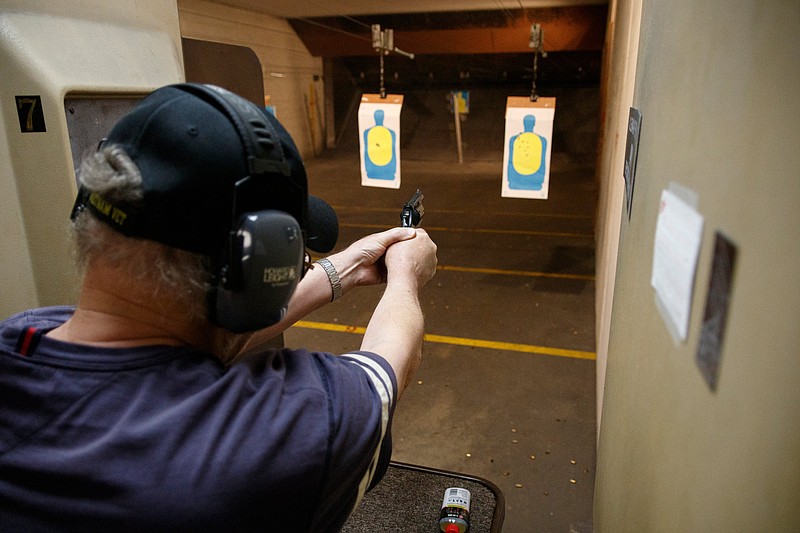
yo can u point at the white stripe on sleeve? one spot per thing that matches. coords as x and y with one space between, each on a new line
383 384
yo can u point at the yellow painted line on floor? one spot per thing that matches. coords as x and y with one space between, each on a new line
480 230
461 341
518 214
352 209
501 272
326 326
510 347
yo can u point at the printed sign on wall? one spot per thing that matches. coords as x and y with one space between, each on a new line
528 144
631 156
379 140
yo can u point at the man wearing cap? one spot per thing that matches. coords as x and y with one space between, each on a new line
152 404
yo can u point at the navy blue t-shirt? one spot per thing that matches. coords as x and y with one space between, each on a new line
165 438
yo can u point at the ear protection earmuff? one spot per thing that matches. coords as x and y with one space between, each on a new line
259 269
265 266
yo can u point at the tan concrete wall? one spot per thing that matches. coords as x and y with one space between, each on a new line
289 70
717 84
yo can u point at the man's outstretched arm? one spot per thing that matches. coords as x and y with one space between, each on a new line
396 328
357 265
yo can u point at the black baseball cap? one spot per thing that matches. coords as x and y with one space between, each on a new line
207 157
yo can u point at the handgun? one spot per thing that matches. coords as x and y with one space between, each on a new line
412 211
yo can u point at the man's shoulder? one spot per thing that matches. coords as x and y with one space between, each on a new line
347 386
353 365
303 361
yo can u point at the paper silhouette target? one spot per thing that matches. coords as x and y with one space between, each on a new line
379 140
526 157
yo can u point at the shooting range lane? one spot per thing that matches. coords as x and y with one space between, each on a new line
506 390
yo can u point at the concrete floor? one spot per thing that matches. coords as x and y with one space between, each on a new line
523 420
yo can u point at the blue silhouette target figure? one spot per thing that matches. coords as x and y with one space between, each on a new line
526 158
380 159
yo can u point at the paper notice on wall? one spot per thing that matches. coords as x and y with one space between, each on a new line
679 233
379 140
527 147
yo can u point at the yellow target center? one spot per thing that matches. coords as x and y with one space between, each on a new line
379 145
527 153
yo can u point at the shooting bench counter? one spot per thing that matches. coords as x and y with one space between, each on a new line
409 499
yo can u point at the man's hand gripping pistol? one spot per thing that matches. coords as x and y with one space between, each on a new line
412 211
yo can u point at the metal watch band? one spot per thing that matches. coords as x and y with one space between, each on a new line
333 277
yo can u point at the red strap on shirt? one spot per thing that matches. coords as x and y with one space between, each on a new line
28 339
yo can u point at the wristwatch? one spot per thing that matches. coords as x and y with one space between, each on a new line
333 277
